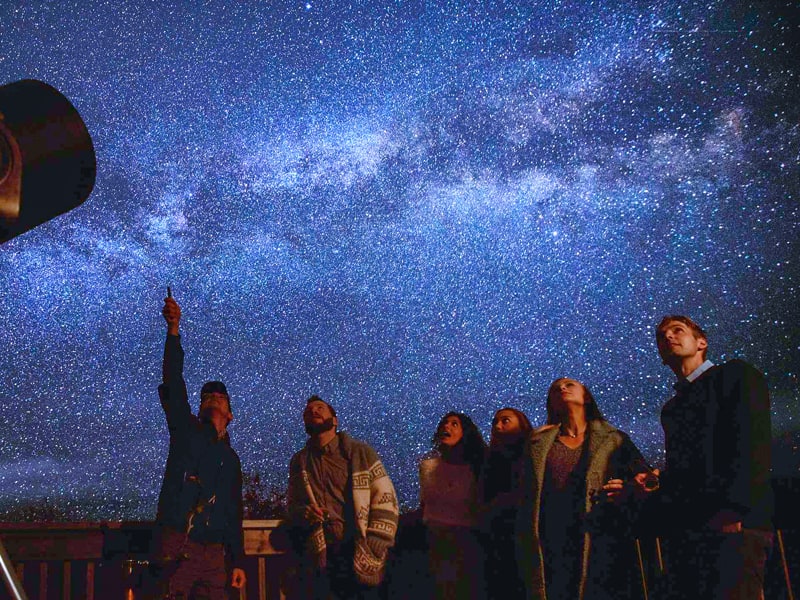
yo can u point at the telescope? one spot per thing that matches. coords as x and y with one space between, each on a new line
47 167
47 160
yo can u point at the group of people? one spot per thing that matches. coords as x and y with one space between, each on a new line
541 513
547 512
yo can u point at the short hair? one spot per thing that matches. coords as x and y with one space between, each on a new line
215 387
554 417
524 422
698 332
472 440
316 398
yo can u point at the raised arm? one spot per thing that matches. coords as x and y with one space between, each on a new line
172 391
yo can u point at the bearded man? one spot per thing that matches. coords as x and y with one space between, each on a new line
344 509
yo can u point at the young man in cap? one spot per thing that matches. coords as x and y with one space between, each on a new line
344 509
715 490
200 505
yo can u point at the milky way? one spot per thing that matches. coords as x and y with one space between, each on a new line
404 207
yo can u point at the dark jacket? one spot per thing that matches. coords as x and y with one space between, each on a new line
611 454
202 484
717 435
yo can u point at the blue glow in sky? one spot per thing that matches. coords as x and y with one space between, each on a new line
404 207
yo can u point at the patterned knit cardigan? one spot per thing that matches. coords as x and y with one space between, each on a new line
374 504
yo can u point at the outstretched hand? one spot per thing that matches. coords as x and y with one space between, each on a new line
643 484
646 483
172 315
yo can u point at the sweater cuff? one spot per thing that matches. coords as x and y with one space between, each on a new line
379 546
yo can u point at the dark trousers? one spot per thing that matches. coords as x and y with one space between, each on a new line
503 580
456 562
337 581
716 566
194 571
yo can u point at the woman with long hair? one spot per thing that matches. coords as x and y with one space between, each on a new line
448 480
578 537
502 491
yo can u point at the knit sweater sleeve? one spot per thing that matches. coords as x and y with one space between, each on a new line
377 513
384 512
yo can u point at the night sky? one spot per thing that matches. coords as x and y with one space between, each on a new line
404 207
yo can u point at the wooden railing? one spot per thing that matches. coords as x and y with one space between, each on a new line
108 561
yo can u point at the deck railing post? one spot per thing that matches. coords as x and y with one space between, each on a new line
43 580
66 587
90 580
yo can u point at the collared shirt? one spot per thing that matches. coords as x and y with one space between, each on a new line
681 383
328 472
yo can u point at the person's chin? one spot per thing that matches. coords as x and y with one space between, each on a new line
506 438
317 427
210 413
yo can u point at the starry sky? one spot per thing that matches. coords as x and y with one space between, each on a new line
405 207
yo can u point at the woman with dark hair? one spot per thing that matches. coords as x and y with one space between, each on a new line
448 480
577 543
502 491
